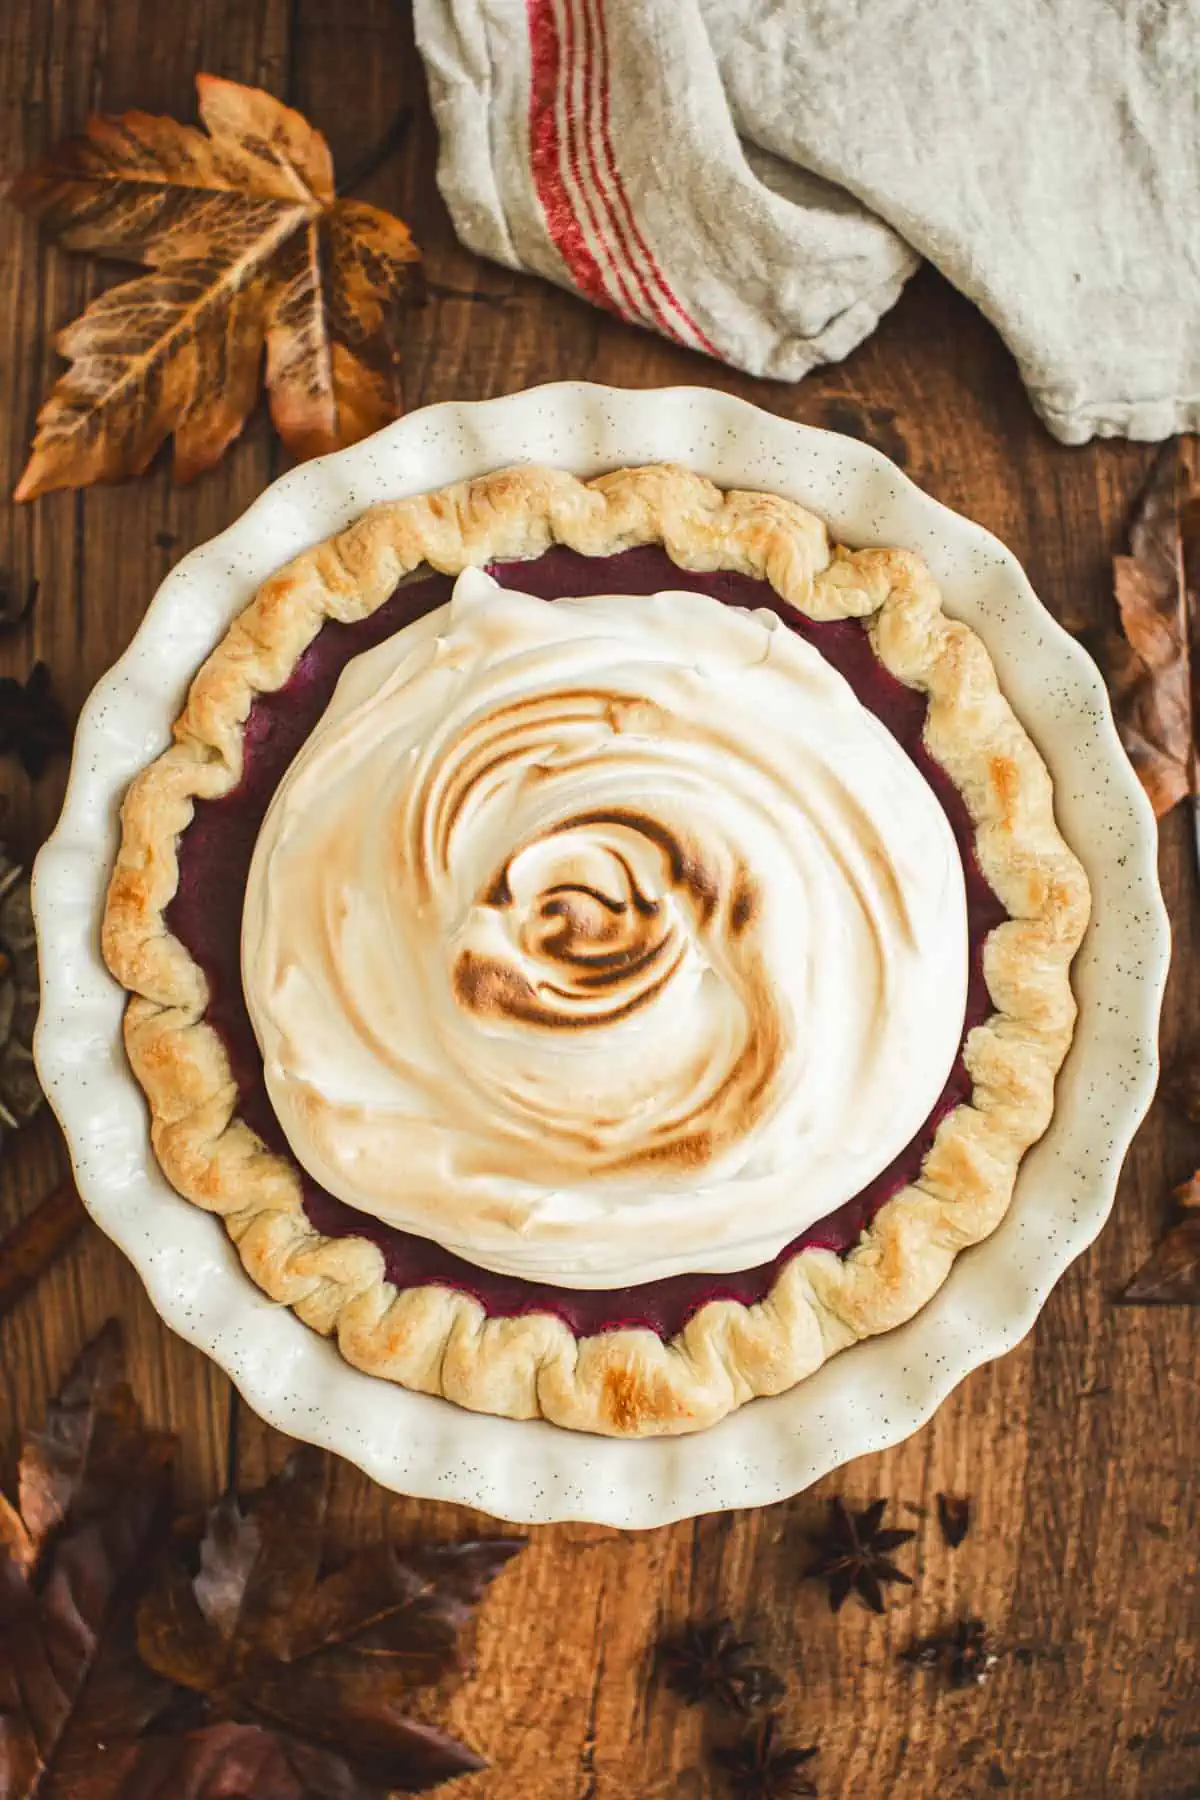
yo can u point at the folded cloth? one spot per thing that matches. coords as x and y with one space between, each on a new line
758 178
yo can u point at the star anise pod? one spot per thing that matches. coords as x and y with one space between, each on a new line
852 1555
964 1654
710 1662
758 1769
33 725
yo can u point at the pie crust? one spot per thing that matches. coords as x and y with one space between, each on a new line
625 1382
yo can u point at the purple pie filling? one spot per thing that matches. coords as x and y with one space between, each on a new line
214 860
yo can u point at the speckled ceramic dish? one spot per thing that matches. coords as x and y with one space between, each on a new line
874 1393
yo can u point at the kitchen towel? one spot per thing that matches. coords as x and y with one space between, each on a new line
758 178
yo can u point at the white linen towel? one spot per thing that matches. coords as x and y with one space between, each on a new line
758 178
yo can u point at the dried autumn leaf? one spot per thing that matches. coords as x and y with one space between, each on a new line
329 1659
249 249
1171 1277
92 1492
1149 670
254 1674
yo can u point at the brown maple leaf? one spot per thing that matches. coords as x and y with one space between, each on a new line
250 249
246 1669
1149 669
329 1659
92 1492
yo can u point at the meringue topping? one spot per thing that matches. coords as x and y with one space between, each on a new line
601 940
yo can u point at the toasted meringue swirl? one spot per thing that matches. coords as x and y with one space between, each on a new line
604 939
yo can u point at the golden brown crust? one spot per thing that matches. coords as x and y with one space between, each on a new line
436 1340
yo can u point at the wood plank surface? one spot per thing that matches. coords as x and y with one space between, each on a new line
1078 1449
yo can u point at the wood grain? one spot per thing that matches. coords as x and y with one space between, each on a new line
1078 1449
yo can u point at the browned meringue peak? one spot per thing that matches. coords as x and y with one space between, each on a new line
604 939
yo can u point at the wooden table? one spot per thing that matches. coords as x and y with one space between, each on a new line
1078 1449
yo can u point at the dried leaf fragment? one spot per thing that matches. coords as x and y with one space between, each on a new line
322 1659
255 1673
1149 669
92 1494
954 1517
250 252
20 1090
1171 1277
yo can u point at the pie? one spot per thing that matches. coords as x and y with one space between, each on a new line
601 948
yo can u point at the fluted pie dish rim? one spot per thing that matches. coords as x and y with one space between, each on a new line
623 1383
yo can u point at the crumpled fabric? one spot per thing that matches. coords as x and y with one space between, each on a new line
757 179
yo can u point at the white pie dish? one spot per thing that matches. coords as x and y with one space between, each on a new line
773 1448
